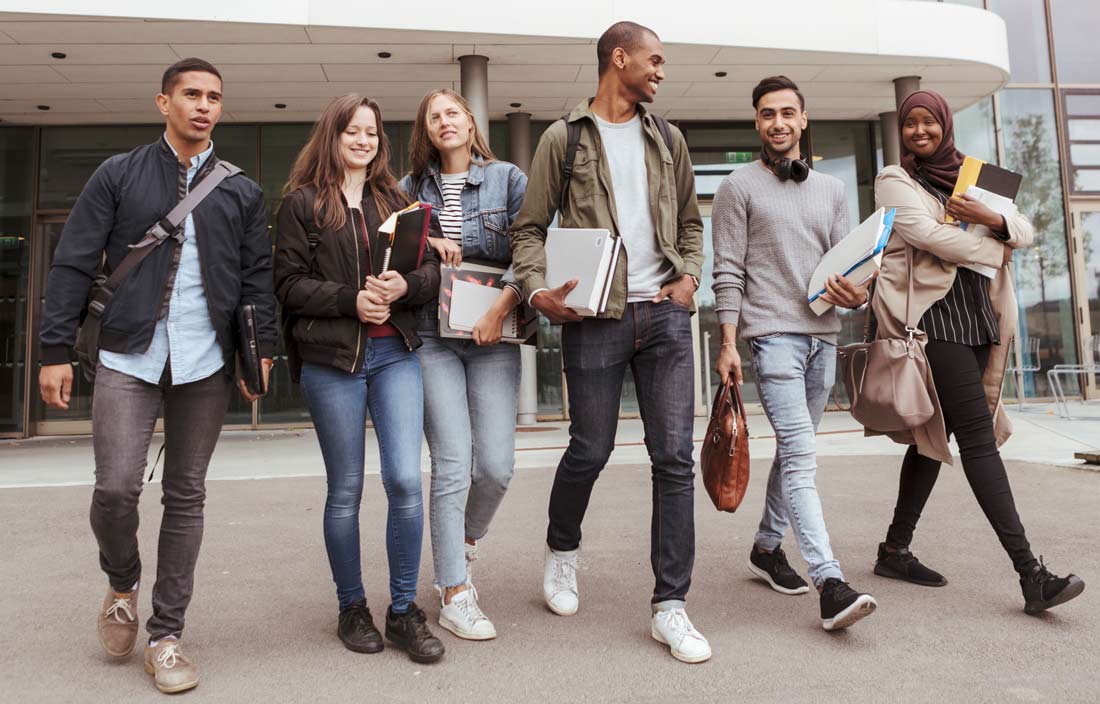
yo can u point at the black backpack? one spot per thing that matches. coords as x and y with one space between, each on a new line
573 140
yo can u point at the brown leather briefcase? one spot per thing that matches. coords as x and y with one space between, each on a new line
725 453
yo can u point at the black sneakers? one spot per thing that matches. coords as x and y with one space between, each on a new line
773 568
1043 590
409 631
356 629
842 606
904 565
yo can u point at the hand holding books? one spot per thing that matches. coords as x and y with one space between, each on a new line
551 303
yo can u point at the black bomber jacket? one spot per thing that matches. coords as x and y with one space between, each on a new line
318 275
125 196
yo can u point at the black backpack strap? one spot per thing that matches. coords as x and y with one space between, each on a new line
163 230
573 140
665 129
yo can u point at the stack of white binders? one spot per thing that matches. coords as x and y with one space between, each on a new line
590 256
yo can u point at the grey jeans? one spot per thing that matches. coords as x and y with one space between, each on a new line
470 397
124 413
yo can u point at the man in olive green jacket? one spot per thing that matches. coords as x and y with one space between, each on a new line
628 180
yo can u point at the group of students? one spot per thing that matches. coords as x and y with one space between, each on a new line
364 340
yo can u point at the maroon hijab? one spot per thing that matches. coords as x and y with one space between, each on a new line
942 168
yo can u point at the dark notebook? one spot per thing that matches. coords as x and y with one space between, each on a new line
405 248
249 366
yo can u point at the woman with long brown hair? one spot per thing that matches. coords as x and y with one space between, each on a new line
966 322
472 384
351 338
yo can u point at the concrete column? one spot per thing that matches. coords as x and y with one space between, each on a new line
891 143
519 153
519 139
474 71
903 87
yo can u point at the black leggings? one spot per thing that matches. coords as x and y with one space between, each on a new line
957 372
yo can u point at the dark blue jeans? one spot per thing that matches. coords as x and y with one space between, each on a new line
654 341
390 383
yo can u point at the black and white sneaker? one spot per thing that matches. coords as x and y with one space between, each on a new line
842 606
773 568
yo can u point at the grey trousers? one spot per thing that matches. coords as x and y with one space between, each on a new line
124 413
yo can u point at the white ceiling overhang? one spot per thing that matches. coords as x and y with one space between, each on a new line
843 54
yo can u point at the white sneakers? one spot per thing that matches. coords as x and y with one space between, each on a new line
464 618
559 581
672 627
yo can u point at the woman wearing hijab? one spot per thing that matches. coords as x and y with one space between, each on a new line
966 324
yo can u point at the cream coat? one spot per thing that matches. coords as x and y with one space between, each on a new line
938 250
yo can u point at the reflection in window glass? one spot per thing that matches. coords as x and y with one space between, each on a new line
1085 154
1028 52
1084 130
1075 23
1042 272
71 154
843 149
974 131
16 177
1086 180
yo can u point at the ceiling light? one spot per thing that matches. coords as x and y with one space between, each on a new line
280 106
516 105
720 74
59 55
384 54
43 107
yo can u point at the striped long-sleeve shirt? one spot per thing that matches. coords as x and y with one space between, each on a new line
965 315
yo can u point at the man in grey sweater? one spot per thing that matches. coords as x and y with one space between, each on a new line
772 222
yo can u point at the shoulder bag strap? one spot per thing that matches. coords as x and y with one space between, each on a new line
166 228
910 328
573 140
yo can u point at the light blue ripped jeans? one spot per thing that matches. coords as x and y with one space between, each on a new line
795 374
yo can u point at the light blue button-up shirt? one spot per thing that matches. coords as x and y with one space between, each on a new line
185 335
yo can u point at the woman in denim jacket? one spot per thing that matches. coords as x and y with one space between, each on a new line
470 386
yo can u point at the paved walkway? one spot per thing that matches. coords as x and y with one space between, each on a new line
262 623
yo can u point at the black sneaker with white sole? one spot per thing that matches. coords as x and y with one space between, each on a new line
773 568
1043 589
842 606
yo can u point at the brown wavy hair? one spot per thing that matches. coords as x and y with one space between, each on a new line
422 153
320 165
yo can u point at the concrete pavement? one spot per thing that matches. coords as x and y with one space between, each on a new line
262 623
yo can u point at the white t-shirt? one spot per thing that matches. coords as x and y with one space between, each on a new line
647 266
450 218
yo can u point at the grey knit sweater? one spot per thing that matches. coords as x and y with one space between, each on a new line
769 236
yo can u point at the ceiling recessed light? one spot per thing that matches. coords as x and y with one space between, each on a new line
384 54
516 105
59 55
43 107
720 74
280 106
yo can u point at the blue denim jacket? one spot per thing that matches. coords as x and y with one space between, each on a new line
491 199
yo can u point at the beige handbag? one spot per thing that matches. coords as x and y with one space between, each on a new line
888 380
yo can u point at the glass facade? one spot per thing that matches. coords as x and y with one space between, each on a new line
1053 94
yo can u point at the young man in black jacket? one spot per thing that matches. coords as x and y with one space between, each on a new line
167 340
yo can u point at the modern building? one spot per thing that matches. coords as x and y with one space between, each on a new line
77 80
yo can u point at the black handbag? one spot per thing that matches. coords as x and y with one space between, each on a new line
104 286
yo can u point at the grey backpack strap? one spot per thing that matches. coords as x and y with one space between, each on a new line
166 228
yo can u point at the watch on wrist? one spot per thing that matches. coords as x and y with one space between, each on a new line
695 281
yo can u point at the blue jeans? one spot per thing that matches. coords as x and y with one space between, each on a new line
390 382
795 374
470 421
654 341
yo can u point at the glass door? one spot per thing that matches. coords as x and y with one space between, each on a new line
1086 245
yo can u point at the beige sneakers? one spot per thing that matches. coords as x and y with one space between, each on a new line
172 670
117 625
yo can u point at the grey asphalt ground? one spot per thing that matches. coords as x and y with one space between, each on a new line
262 623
